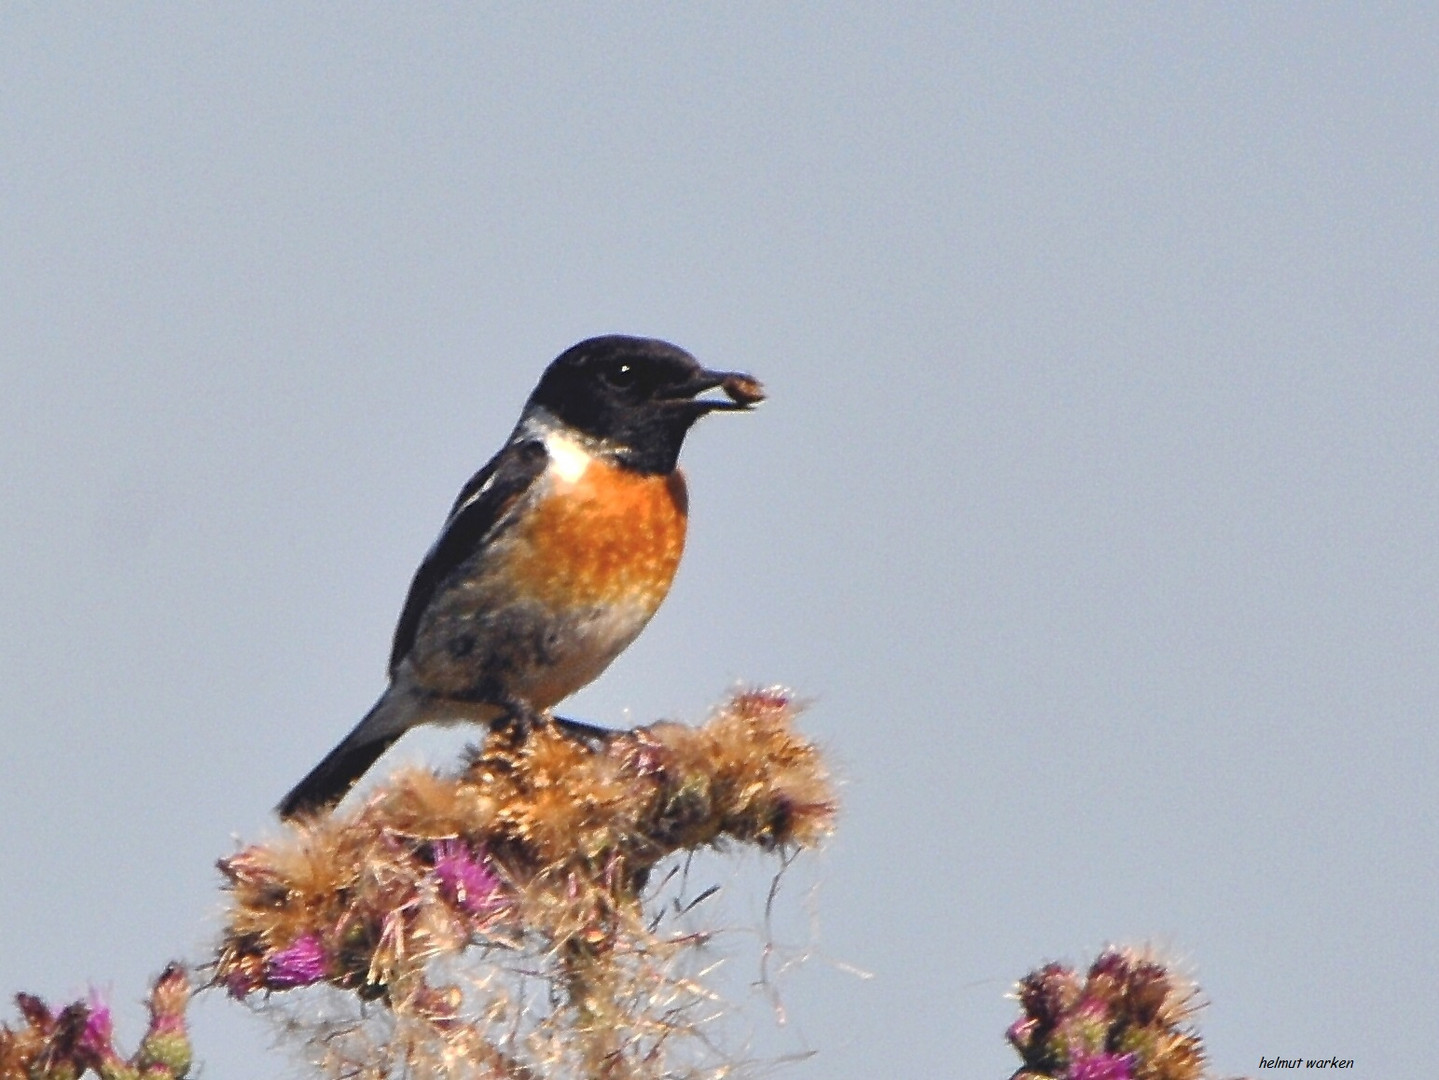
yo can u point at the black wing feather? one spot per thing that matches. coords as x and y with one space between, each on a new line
479 508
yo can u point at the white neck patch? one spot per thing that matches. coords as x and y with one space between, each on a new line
568 458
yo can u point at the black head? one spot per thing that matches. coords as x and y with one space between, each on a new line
638 395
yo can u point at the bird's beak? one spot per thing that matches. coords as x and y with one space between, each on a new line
741 391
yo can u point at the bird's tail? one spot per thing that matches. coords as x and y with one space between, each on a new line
329 781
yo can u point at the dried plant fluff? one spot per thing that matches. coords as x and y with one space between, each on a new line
496 921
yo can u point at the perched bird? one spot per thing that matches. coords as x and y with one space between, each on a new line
554 556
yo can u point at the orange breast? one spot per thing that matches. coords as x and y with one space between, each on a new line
610 536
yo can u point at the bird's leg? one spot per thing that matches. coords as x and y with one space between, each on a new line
518 719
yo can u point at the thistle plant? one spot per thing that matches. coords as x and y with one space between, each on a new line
62 1044
1129 1018
496 921
513 922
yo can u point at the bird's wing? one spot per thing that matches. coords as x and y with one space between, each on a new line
481 506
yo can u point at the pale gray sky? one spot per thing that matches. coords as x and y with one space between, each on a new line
1096 504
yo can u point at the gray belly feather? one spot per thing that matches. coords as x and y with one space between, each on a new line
478 644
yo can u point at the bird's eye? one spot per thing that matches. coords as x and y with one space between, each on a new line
621 375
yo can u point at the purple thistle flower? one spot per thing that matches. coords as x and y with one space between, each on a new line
95 1048
1101 1067
466 879
301 963
99 1028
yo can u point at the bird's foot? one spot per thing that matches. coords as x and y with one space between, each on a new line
517 721
590 734
520 718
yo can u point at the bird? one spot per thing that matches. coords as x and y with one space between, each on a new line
554 557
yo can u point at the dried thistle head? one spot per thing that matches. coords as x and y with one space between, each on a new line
49 1044
527 869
